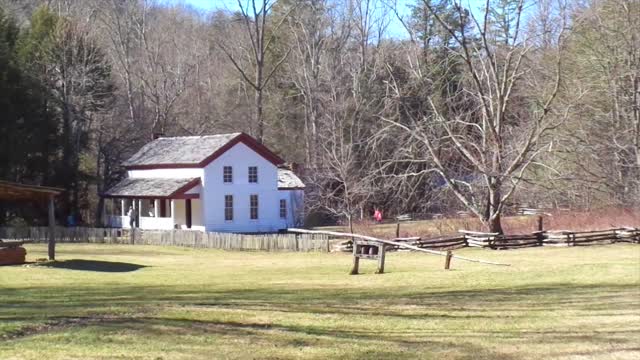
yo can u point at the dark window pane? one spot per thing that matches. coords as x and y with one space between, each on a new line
283 209
253 174
253 207
228 207
227 174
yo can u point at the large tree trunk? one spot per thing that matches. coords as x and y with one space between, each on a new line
495 224
259 116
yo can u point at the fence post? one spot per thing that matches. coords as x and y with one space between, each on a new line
447 260
356 259
540 223
398 229
381 256
52 228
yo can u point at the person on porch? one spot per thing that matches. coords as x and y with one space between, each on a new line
132 217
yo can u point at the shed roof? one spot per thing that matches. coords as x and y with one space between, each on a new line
193 151
15 191
151 188
288 180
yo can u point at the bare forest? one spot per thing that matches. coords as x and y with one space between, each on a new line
433 107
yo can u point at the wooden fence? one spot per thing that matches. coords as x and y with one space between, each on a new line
313 242
185 238
552 238
503 242
441 243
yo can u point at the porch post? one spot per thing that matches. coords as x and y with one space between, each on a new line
134 213
156 207
139 213
52 228
173 212
123 207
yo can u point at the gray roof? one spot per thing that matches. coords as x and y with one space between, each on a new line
288 180
147 187
179 150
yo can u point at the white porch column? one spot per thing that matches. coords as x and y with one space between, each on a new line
156 207
123 207
172 205
136 212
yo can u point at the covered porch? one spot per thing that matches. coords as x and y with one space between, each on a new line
159 204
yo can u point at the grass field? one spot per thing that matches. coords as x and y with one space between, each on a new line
141 302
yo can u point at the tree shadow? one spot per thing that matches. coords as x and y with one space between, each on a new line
93 265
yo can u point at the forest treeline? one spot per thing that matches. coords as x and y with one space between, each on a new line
514 102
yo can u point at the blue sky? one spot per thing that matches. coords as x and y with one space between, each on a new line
395 28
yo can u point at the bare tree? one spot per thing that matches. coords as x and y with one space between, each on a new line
605 127
485 121
261 34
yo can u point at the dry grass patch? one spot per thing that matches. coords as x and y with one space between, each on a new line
563 303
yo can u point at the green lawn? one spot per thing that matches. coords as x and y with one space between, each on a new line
142 302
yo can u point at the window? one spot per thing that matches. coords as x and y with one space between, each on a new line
283 208
253 174
227 174
253 207
228 207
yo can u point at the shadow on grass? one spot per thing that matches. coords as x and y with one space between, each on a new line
93 265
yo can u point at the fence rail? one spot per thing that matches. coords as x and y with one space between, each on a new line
184 238
312 242
503 242
553 238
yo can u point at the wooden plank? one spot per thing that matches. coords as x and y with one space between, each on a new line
396 244
477 233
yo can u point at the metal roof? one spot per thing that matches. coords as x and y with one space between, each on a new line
16 191
185 150
151 187
288 180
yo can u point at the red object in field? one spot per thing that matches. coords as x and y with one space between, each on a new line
12 255
377 215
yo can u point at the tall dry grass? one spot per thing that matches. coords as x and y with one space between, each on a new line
599 219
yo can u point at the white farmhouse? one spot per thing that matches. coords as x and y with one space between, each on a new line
222 183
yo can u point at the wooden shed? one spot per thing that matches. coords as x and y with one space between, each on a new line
16 192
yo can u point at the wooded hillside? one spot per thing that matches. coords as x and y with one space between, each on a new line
532 103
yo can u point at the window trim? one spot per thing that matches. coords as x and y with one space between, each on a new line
230 198
252 207
249 175
224 179
283 208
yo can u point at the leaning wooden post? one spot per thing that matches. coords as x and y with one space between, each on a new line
398 229
356 259
52 229
381 254
447 260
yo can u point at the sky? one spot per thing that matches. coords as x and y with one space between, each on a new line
395 28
